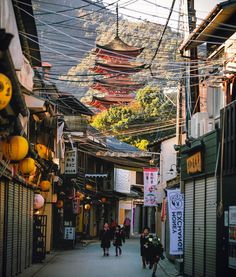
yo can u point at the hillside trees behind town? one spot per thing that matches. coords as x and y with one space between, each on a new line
149 117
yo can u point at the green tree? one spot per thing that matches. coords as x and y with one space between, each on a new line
136 123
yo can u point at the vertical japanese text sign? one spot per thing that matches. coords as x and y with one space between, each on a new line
151 181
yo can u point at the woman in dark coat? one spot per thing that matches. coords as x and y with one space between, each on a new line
105 237
144 246
119 237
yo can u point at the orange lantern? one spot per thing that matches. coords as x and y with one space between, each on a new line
27 166
5 91
87 206
16 148
81 196
45 185
42 150
89 187
60 204
103 199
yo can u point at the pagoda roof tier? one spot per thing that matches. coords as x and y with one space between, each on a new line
119 82
117 47
113 68
116 86
104 103
111 90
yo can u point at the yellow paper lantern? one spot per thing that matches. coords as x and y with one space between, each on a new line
45 185
5 91
16 148
89 187
87 206
42 150
59 204
27 166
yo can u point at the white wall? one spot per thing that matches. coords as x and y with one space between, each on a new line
168 157
124 179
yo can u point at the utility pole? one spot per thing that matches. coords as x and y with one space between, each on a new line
194 85
191 82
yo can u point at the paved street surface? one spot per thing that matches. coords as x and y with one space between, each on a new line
89 261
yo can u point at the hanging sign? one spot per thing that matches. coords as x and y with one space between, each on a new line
71 162
75 206
176 220
151 182
194 163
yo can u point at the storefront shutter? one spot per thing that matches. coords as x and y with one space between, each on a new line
20 205
188 228
211 189
199 225
24 229
9 228
2 209
31 222
15 229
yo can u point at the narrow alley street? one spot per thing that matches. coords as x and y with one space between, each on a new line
89 261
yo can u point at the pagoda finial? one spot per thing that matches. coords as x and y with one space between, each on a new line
117 21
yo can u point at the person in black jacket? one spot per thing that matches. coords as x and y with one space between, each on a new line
105 237
119 237
144 245
154 253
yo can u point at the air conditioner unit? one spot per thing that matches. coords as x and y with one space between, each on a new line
196 123
206 125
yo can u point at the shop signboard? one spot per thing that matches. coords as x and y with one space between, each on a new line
194 163
151 182
232 237
176 220
71 162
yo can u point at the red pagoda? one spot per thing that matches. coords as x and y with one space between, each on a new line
115 63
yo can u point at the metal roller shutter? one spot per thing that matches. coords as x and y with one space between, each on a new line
24 229
31 222
199 227
188 228
9 231
20 267
211 198
29 227
2 209
15 230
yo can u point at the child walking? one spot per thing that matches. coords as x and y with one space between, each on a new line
119 237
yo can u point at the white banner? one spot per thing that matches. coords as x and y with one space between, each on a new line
151 181
176 220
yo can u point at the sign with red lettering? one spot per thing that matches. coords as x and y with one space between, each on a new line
151 181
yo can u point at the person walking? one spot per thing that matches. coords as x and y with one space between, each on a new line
127 223
144 245
118 239
154 253
105 237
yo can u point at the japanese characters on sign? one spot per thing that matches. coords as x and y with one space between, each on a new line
151 182
71 162
194 163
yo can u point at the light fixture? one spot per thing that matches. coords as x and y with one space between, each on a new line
172 170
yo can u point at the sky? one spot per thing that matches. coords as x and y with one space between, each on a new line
202 7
